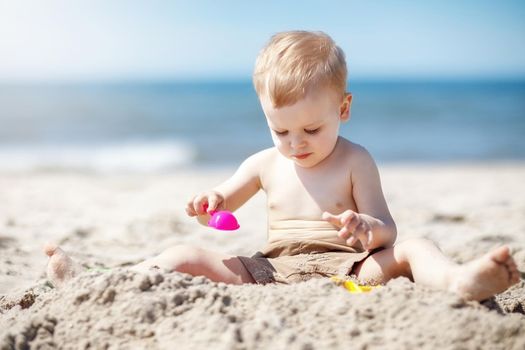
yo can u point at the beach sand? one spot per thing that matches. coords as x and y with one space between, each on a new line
114 221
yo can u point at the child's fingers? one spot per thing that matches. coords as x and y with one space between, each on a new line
356 232
360 233
189 207
347 217
344 233
199 204
353 224
351 241
331 218
190 211
213 202
359 230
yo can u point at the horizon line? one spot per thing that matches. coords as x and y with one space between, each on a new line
239 80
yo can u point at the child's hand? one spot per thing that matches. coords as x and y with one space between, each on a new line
204 203
352 227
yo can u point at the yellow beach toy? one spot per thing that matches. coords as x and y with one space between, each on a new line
351 286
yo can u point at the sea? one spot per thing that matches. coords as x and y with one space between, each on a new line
164 126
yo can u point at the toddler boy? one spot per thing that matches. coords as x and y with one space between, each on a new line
326 211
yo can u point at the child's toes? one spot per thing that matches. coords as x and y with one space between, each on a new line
515 276
500 255
510 260
512 267
50 249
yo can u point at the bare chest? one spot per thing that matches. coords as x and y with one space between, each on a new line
305 195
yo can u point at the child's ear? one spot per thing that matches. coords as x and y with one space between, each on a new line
344 113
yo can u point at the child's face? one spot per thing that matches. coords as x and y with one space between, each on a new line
307 131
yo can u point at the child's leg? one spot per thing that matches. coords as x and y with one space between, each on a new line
217 267
198 262
423 262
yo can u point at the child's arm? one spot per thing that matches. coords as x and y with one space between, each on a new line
372 224
229 195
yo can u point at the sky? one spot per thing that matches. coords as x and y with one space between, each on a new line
104 40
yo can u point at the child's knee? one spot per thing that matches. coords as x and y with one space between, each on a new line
416 244
181 256
178 250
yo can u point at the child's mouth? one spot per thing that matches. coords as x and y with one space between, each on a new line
302 156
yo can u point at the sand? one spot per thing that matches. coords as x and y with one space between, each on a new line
113 221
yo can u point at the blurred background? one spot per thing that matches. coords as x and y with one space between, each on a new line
150 86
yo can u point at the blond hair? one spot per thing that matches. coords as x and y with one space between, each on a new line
296 61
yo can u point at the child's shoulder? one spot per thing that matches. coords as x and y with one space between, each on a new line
261 159
358 159
354 152
263 156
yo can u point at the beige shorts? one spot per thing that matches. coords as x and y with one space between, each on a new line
296 261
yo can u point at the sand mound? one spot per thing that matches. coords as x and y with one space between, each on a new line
122 309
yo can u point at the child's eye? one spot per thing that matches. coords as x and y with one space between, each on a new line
311 132
281 133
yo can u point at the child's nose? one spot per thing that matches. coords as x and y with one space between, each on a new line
297 141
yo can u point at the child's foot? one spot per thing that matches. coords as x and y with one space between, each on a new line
60 267
484 277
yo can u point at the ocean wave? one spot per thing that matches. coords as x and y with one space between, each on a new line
139 157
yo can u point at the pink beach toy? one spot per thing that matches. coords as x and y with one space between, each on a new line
223 220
